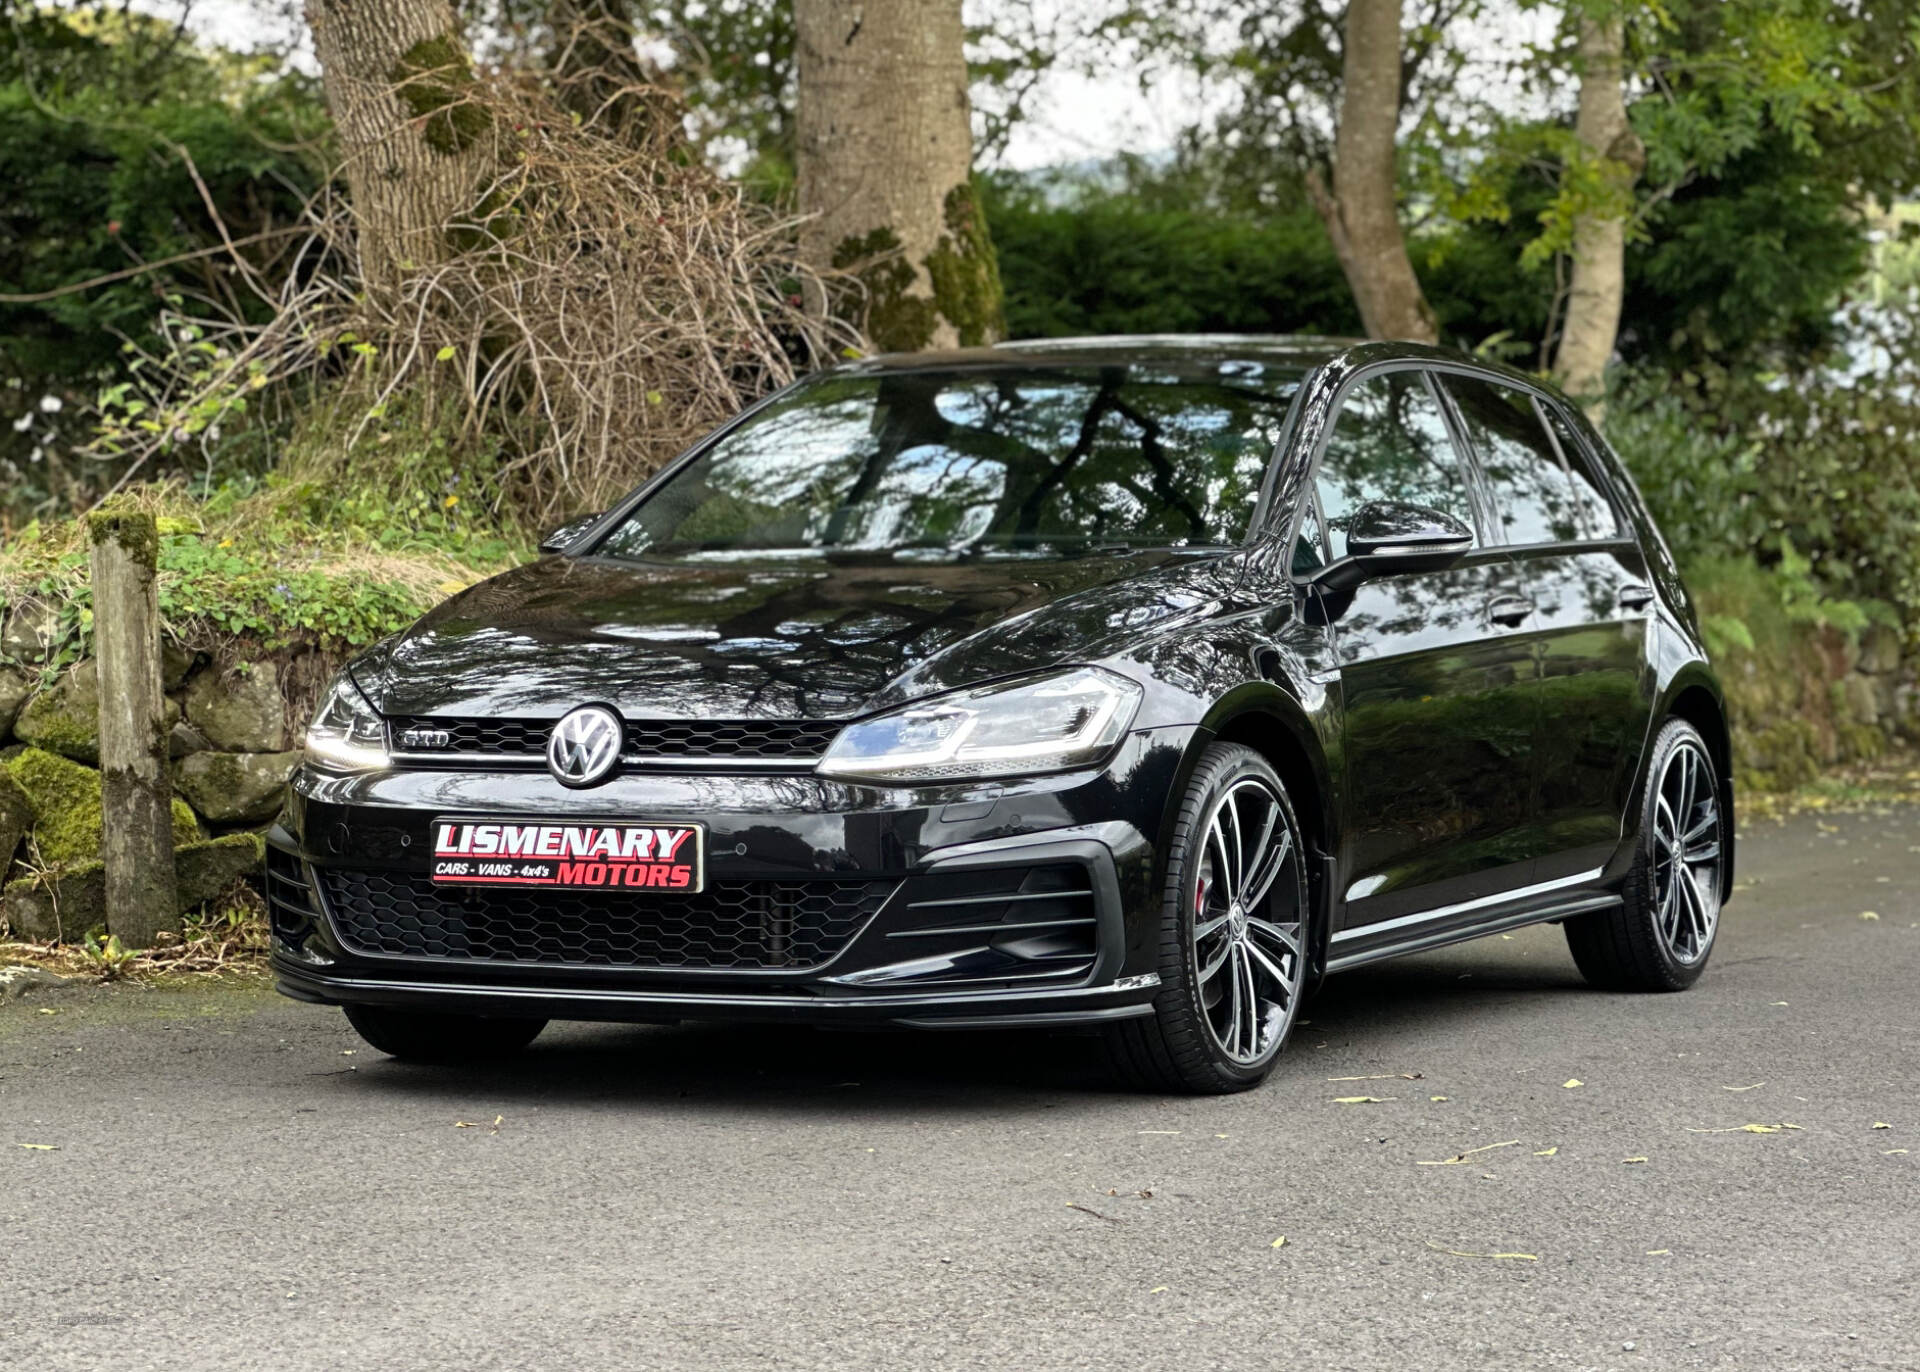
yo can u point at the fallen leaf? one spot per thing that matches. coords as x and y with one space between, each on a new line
1870 914
1895 1152
1156 1131
1776 1002
1462 1157
1572 1082
1436 1099
1156 1290
49 1012
1548 1152
1745 1129
1755 1087
1363 1100
465 1124
42 1147
1658 1252
1633 1160
1280 1242
1463 1253
1075 1205
1880 1124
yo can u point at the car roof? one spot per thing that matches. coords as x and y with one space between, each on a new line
1295 350
1180 352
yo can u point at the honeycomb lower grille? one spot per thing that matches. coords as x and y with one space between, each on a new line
752 925
785 740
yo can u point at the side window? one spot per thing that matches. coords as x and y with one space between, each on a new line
1389 442
1532 494
1597 516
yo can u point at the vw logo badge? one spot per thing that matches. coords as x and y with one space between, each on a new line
584 746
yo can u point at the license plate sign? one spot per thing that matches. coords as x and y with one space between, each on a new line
592 855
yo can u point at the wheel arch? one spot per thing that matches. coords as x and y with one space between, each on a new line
1696 698
1277 727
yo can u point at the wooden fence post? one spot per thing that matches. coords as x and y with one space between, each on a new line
137 844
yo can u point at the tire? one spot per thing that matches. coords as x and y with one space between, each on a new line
423 1036
1209 1036
1662 933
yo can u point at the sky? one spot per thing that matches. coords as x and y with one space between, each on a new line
1071 116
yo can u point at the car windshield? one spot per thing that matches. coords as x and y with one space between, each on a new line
1013 461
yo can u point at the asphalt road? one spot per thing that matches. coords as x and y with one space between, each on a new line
234 1182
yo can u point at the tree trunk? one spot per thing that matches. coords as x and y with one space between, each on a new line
884 153
1598 283
415 137
1361 215
136 846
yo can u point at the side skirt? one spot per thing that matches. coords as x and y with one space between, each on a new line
1422 941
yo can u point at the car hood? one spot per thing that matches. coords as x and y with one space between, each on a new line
766 640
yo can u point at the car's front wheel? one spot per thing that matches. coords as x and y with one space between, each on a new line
1232 936
1661 934
423 1036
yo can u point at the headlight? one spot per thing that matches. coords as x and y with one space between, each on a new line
1047 724
346 735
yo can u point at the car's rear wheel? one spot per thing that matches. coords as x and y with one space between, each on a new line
423 1036
1660 937
1232 938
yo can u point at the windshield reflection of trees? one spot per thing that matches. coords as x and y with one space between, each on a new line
966 462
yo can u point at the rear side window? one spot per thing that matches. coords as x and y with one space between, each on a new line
1533 496
1597 517
1389 442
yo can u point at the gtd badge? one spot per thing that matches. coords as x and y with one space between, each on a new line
585 745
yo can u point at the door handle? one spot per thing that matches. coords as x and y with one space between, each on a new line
1635 595
1509 609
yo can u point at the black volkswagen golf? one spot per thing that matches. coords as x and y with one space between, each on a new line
1125 684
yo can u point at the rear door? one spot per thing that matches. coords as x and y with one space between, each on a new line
1437 676
1592 605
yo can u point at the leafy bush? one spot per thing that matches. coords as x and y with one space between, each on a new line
1810 470
1105 263
104 127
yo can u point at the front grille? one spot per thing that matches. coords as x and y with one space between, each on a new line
784 740
743 925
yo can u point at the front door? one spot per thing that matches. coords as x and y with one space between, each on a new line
1437 675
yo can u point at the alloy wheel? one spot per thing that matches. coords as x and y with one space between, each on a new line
1686 853
1247 922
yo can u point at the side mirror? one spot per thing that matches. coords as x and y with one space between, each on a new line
563 537
1389 536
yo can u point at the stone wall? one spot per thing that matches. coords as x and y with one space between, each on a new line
1817 698
231 751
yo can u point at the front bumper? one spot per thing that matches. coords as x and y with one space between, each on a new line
1027 903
